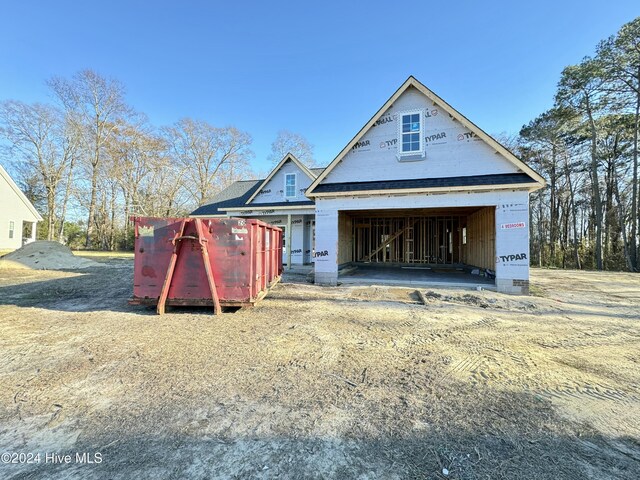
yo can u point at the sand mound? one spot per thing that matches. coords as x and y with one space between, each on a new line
45 255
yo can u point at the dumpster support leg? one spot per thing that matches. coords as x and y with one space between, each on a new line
172 265
207 267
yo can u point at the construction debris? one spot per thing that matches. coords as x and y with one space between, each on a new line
423 299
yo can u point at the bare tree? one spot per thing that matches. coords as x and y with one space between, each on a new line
211 156
290 142
42 141
98 103
137 150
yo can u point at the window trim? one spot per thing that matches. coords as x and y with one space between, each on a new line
415 153
295 185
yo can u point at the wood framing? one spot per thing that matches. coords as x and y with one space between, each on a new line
480 247
409 237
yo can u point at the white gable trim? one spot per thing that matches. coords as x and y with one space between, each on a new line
412 82
287 157
19 194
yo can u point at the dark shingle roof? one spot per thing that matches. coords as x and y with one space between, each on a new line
473 180
235 195
281 204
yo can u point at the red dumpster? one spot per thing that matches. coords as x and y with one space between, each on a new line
217 262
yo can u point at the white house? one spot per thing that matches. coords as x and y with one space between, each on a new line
18 217
419 186
279 200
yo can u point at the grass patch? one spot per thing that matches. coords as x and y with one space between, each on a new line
103 256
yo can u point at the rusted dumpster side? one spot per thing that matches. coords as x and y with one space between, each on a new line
217 262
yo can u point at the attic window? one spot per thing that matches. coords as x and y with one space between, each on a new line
290 185
411 133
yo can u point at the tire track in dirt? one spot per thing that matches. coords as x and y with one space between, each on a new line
597 391
586 340
439 334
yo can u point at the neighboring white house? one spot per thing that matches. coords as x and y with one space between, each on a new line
419 187
17 214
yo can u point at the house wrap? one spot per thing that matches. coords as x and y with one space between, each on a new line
419 184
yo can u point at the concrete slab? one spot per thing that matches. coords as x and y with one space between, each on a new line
297 273
415 276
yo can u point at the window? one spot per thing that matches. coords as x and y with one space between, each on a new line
411 131
12 227
290 185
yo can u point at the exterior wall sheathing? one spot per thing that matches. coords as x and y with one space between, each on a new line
510 219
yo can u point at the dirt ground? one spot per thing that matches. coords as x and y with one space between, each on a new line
358 382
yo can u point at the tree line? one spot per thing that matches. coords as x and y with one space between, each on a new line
89 161
89 155
586 146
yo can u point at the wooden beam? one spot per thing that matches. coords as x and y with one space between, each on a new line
388 241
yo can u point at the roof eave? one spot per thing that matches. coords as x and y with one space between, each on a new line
274 207
20 194
531 186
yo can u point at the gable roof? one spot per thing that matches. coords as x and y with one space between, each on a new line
288 157
19 194
235 195
536 179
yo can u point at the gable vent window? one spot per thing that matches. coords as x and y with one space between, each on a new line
12 227
290 185
411 133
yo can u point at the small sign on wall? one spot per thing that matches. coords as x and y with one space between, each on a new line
508 226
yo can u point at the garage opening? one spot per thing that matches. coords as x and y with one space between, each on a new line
440 240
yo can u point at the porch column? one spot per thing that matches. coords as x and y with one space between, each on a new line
33 231
512 245
289 246
326 250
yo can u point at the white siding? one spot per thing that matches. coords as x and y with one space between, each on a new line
273 191
451 149
12 209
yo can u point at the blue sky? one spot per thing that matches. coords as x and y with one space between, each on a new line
320 69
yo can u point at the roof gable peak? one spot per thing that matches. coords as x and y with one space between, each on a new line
412 82
289 157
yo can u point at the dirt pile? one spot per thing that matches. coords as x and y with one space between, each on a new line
486 300
45 255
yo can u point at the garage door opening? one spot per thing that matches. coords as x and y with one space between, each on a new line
440 244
